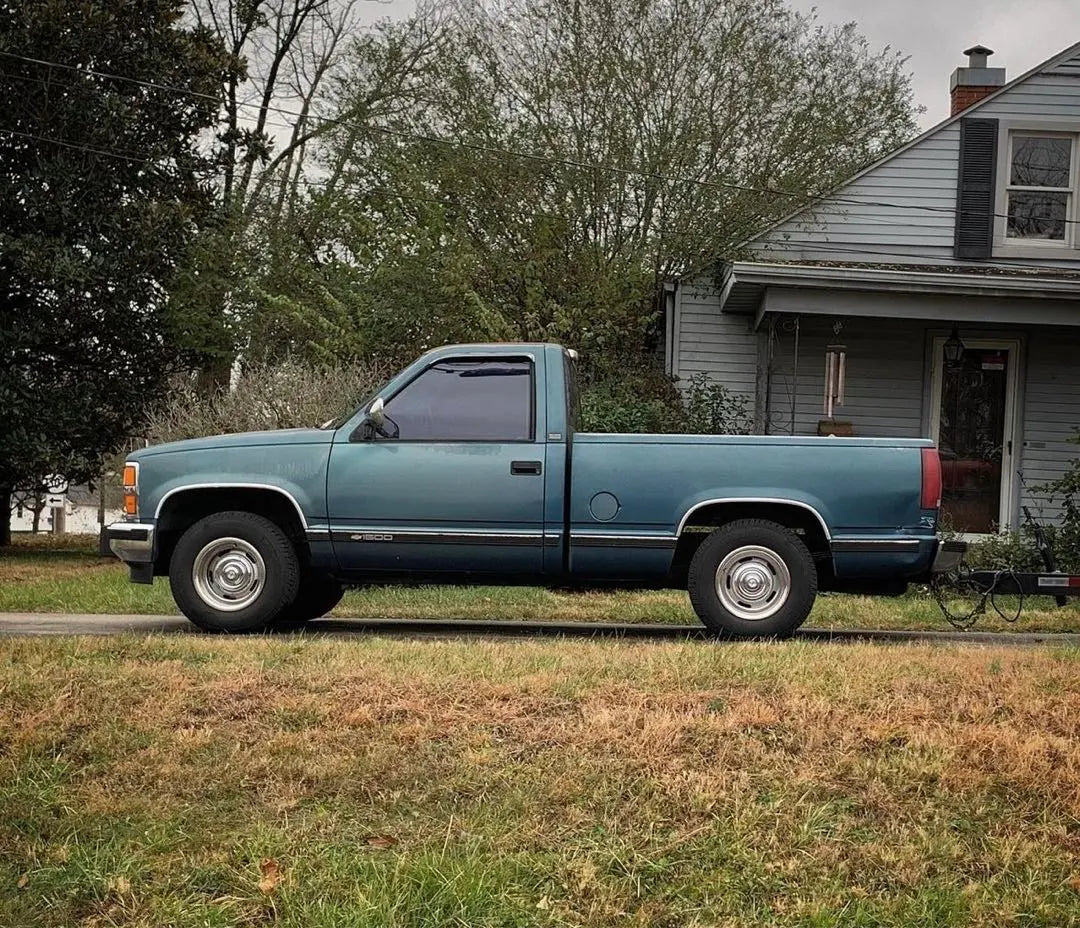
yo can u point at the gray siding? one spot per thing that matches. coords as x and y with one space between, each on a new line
709 341
1051 410
887 391
885 370
902 210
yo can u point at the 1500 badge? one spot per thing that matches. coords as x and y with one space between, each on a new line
370 536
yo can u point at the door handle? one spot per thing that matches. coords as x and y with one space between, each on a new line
520 468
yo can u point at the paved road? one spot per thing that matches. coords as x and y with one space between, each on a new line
31 623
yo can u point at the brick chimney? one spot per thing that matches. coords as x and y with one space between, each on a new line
969 85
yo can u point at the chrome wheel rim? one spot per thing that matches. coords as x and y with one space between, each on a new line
753 582
228 574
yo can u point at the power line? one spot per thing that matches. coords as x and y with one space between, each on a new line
472 146
106 153
223 118
807 200
496 151
829 248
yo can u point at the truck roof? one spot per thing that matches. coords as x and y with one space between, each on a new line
495 346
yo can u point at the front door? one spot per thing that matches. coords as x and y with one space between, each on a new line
456 483
973 421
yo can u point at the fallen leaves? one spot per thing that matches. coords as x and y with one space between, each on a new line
382 842
23 881
271 875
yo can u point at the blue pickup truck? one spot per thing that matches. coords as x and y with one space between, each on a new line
468 468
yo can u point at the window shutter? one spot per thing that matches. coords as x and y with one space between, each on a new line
975 188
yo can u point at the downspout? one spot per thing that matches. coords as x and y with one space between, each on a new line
795 377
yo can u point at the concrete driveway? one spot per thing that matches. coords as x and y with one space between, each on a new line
14 624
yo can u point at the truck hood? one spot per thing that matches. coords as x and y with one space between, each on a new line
277 437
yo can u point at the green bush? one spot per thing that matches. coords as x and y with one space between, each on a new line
1018 550
1065 491
1009 551
643 399
712 409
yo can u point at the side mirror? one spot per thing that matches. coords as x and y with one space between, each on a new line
375 424
375 414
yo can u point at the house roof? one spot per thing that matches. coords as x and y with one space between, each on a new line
1050 62
746 281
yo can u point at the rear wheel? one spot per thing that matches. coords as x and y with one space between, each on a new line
752 578
234 572
318 594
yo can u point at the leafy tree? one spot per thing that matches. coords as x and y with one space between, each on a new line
252 274
101 188
567 157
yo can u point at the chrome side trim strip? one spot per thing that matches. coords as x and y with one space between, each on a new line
875 545
595 540
233 486
412 536
753 499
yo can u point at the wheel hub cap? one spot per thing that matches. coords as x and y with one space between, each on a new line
753 582
229 574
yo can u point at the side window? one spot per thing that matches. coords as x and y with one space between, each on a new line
466 401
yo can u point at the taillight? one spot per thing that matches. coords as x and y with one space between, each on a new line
931 479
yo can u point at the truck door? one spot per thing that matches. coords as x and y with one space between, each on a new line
456 483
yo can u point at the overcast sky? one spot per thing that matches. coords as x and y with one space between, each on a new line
933 33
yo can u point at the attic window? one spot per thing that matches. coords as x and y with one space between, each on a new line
1039 194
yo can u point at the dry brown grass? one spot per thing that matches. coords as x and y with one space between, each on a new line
638 781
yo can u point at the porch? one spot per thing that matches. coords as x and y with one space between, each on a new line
1001 407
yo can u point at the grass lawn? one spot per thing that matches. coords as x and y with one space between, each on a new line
312 783
35 576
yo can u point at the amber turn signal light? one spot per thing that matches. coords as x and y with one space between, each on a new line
131 504
130 476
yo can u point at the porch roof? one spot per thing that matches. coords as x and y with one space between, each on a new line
995 294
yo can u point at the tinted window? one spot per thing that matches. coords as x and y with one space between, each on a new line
466 401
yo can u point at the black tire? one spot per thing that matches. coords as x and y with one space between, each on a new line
245 540
318 594
771 560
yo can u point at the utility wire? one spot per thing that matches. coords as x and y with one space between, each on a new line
490 149
806 201
828 248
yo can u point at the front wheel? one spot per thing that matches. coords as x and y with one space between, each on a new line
752 579
234 572
318 594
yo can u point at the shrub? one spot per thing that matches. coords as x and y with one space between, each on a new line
713 409
1065 491
644 399
1009 551
287 395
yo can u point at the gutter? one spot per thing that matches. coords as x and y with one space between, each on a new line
815 277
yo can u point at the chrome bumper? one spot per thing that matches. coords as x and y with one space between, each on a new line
132 542
949 556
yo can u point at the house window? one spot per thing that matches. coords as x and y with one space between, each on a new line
1040 190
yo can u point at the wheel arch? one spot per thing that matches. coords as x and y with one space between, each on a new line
800 517
183 506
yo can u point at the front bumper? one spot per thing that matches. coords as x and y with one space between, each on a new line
133 543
